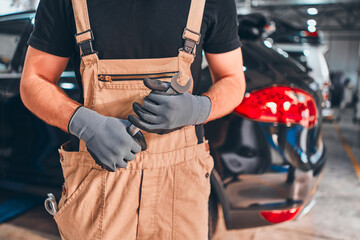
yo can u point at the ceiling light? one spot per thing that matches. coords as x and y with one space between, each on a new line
312 28
268 44
311 22
312 11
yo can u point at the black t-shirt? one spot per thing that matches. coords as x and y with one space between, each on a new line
133 29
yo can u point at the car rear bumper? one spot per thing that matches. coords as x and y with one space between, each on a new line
244 198
291 161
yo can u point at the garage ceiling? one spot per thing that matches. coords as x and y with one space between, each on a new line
333 16
297 2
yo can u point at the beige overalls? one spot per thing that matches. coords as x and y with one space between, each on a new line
163 193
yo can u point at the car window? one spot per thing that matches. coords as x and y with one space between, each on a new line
10 35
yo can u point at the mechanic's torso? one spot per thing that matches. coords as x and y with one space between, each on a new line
135 29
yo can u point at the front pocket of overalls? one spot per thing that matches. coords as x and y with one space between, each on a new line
76 166
193 177
81 215
199 170
191 194
110 78
72 196
116 94
83 196
115 99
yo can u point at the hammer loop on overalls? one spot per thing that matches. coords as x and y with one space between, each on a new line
163 193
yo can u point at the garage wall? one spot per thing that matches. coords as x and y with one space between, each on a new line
344 53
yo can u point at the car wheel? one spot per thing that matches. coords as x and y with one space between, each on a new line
213 214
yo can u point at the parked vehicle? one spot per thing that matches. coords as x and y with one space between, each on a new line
285 32
268 153
307 48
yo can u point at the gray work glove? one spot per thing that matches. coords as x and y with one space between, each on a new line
163 113
106 138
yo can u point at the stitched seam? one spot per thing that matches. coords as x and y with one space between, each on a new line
174 203
76 193
140 200
100 232
94 88
122 85
155 211
189 148
81 164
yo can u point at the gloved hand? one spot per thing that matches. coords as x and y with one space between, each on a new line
106 138
162 113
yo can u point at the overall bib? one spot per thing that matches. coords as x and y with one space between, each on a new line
163 193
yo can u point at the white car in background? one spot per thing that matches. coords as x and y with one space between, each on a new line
305 47
312 58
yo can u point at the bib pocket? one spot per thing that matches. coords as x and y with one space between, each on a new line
116 93
134 77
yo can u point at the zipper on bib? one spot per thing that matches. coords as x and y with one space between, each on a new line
105 78
134 77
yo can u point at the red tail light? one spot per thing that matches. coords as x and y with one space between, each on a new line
279 216
326 96
281 105
309 34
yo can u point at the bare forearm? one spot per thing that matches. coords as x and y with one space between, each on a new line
225 95
229 82
47 101
39 91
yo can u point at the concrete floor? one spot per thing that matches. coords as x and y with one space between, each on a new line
336 214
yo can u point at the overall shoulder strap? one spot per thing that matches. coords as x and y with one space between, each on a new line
84 35
192 31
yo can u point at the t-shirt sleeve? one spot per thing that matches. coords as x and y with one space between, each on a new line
52 30
222 35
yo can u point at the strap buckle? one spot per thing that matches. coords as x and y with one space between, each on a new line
191 40
86 46
189 46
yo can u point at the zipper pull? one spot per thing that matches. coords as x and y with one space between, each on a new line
106 78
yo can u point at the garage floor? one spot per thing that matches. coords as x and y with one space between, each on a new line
336 214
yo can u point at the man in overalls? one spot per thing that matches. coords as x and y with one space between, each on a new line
112 189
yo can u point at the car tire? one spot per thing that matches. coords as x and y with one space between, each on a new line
213 214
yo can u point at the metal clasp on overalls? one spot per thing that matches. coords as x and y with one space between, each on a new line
50 204
189 45
86 46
